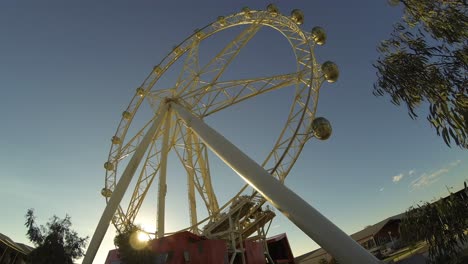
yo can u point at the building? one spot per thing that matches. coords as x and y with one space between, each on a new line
12 252
185 247
280 250
383 234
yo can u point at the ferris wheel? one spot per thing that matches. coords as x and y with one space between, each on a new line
177 126
198 89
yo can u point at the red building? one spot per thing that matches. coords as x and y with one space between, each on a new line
185 247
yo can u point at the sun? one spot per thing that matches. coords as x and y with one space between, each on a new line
139 240
142 236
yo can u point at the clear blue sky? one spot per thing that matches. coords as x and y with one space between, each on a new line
69 69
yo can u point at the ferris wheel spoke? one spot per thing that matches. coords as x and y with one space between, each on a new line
194 158
227 93
216 67
186 160
119 217
204 182
129 147
290 142
147 175
189 76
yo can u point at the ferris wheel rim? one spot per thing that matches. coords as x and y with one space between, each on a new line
137 101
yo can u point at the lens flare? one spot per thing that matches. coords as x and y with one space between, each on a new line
139 240
142 236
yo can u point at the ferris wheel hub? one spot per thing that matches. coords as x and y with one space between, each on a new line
169 100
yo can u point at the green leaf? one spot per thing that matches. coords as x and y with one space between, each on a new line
445 136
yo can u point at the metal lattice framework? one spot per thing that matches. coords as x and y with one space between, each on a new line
199 90
177 124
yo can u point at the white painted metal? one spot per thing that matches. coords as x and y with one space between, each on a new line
191 184
309 220
120 189
163 176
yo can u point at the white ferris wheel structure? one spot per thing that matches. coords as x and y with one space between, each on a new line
177 125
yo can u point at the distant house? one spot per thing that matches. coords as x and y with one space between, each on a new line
383 233
12 252
371 238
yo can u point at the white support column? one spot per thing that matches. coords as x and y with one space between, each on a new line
309 220
120 189
162 190
191 183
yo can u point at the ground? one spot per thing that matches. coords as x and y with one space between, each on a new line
415 255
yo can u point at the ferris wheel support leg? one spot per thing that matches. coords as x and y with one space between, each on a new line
191 185
303 215
162 190
120 189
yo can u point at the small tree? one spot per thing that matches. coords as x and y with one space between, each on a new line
441 224
55 243
131 250
425 62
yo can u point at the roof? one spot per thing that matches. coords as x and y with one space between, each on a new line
366 232
374 229
20 247
277 237
313 254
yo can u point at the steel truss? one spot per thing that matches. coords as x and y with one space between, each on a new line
177 125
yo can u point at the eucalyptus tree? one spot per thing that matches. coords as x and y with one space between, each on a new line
424 64
441 224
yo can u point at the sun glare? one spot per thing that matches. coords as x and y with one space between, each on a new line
139 240
142 236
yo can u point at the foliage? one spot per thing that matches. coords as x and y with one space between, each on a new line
426 61
441 225
55 243
131 250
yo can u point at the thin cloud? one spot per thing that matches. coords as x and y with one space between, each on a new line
411 172
397 178
455 163
427 179
381 189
